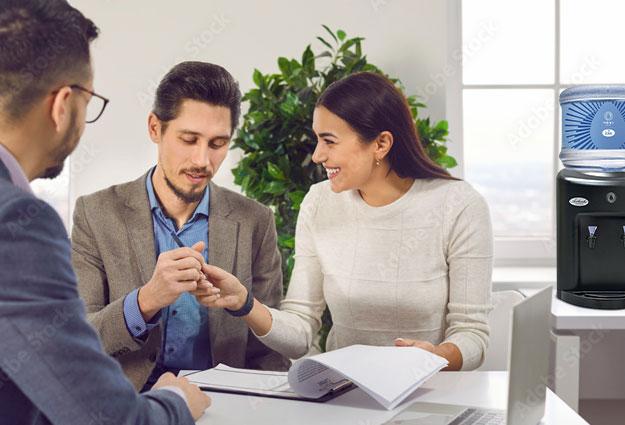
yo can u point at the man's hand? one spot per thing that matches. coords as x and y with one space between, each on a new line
176 271
220 289
197 401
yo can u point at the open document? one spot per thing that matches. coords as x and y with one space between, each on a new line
387 374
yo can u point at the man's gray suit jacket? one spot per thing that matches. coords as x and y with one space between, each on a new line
52 367
114 253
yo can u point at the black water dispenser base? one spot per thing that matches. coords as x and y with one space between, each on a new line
602 300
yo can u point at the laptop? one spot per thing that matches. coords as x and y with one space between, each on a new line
528 365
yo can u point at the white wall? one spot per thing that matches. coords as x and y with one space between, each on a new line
141 40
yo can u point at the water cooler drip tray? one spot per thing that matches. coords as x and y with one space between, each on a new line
604 300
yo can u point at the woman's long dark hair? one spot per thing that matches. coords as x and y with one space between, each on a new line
370 103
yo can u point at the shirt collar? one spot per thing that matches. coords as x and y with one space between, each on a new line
16 173
201 209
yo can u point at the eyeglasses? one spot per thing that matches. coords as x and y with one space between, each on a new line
95 107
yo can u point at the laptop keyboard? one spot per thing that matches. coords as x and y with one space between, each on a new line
480 417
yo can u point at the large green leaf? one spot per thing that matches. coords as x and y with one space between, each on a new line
275 172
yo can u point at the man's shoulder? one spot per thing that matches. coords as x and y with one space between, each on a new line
9 192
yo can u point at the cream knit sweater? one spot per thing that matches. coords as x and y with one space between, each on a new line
418 268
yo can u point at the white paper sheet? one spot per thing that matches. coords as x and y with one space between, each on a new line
388 374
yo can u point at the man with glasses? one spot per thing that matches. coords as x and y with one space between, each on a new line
52 367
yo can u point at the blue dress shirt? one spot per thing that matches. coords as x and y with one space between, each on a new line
186 342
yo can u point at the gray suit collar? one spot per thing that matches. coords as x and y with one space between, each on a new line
223 234
139 226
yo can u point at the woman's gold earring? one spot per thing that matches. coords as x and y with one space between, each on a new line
377 162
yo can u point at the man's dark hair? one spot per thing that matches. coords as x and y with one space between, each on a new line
43 43
199 81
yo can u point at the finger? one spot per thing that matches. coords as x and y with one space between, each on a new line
189 274
202 292
206 400
187 263
188 286
203 283
214 273
401 342
209 300
198 246
199 292
185 252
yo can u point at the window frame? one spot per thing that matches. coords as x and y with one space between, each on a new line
509 251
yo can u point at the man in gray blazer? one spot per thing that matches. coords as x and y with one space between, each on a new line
52 367
138 247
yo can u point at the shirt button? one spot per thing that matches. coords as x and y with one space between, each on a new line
174 312
170 349
137 328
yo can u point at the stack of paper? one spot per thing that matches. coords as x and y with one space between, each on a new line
388 374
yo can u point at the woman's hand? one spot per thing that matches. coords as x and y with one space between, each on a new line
427 346
232 295
220 289
446 350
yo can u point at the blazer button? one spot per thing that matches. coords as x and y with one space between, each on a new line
153 357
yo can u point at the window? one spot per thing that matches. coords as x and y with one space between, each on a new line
516 59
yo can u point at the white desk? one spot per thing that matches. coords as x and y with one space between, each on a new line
570 317
481 389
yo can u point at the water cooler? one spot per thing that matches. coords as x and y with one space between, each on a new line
590 198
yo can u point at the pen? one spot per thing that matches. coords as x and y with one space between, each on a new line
177 240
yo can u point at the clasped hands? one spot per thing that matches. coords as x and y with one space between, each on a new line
184 270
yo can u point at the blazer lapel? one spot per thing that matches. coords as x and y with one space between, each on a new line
222 246
139 226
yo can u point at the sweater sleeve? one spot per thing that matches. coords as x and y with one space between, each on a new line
299 318
470 258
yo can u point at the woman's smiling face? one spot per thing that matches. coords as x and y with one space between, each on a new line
348 161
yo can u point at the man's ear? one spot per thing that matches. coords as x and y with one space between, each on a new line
61 109
155 128
383 145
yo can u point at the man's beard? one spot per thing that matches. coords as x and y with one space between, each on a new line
66 148
188 197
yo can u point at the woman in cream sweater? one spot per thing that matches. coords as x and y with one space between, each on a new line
399 251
